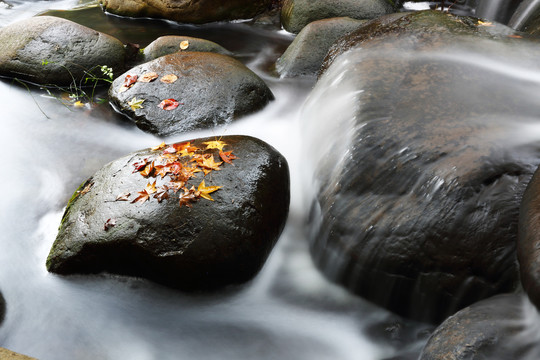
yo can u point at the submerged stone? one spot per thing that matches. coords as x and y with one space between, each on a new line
306 53
422 150
182 241
171 44
51 50
188 11
498 328
211 89
295 14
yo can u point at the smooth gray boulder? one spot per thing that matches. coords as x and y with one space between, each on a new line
421 155
171 44
140 216
188 11
210 89
295 14
51 50
307 51
503 327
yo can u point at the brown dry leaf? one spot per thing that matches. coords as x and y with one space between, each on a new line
227 156
148 169
143 196
123 196
184 45
109 224
169 78
148 77
188 197
86 189
161 195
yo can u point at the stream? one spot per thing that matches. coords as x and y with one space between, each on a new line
289 311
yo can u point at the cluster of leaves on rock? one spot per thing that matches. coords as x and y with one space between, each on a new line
131 80
179 162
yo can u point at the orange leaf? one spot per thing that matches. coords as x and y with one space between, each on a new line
169 104
159 147
205 190
148 77
143 196
227 156
123 196
148 169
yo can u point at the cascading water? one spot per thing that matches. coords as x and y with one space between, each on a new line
289 311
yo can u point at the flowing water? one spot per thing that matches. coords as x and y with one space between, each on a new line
289 311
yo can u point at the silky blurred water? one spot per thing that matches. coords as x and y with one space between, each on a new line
289 311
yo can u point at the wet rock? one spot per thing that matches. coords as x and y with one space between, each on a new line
166 45
212 89
422 164
6 354
208 245
529 240
187 11
51 50
495 329
306 53
295 14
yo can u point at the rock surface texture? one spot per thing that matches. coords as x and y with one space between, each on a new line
183 241
211 89
421 180
306 53
51 50
166 45
188 11
295 14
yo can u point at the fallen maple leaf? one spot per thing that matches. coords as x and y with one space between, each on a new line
135 103
227 156
150 188
187 197
109 224
78 104
216 144
159 147
204 190
129 81
86 189
123 196
208 164
169 104
143 196
148 77
485 23
161 195
169 78
184 45
148 169
140 165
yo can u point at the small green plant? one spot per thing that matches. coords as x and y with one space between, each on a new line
83 91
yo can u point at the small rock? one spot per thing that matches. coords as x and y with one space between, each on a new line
166 45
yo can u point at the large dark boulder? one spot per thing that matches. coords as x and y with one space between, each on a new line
295 14
503 327
212 89
422 155
171 44
528 246
210 244
306 53
51 50
188 11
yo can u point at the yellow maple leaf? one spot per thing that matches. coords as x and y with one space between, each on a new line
204 190
208 164
78 104
159 147
485 23
216 144
150 188
184 45
135 103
